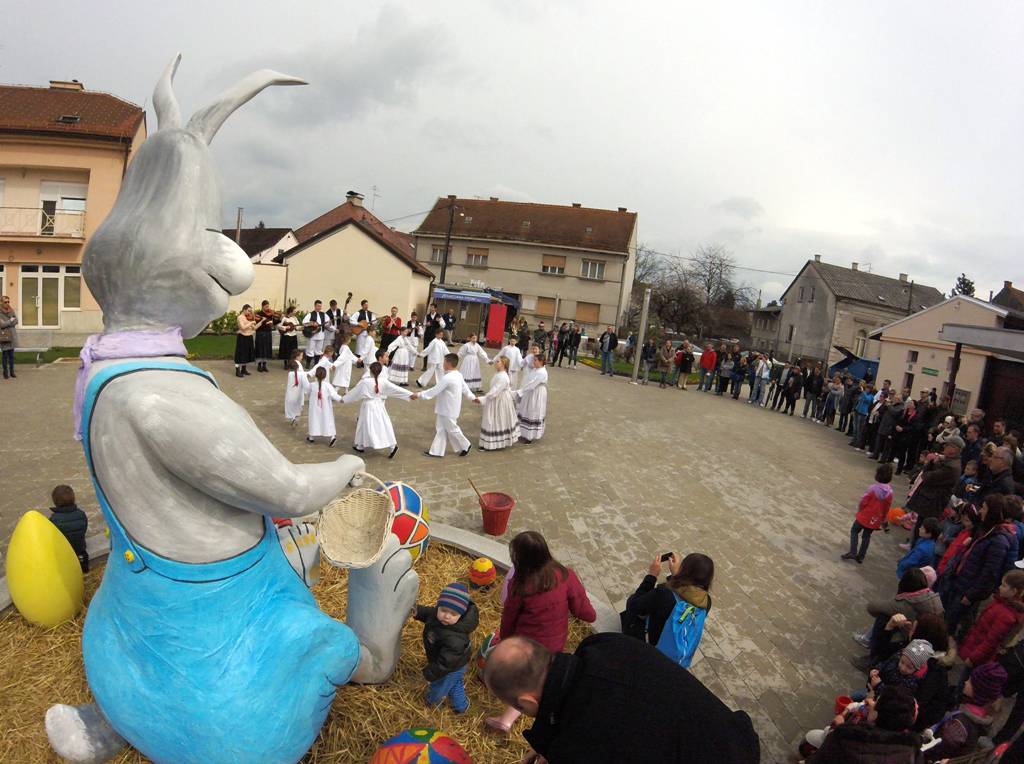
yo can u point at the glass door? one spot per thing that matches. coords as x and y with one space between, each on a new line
40 296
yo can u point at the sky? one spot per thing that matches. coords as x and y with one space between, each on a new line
883 133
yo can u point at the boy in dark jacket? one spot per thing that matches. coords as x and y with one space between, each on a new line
71 521
887 737
447 645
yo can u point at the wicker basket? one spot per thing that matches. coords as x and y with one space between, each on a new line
352 529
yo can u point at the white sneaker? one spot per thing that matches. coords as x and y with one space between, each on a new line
861 639
815 738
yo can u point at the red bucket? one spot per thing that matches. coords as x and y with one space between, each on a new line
496 508
842 701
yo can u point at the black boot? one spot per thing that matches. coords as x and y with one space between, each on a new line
245 372
238 371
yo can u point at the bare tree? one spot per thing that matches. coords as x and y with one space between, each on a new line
648 265
675 300
711 270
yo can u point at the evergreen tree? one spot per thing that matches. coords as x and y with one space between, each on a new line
963 286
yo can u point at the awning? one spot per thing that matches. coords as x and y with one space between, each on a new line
1003 342
461 296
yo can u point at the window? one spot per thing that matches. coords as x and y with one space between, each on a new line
545 308
63 208
801 297
789 336
553 265
467 219
812 294
592 269
72 287
908 381
588 229
588 312
476 258
911 356
860 342
526 224
437 254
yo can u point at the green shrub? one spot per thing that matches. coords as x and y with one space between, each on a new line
226 324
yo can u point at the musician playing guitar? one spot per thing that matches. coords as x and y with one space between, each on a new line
313 330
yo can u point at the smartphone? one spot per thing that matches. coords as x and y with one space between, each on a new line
666 557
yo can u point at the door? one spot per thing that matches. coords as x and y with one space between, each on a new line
40 296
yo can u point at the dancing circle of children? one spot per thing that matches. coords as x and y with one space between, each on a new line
321 408
470 355
448 391
514 356
373 425
435 353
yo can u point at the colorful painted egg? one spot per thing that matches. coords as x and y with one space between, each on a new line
412 521
44 575
421 745
482 572
484 652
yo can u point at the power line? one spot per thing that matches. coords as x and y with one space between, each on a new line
697 259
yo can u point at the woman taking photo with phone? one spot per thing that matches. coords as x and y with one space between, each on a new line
686 591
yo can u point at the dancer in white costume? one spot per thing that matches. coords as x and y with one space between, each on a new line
321 408
296 388
374 428
403 352
533 401
449 392
499 425
343 364
435 353
514 356
470 355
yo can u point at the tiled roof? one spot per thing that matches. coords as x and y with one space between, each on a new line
577 227
346 212
400 244
1010 297
872 288
37 110
255 240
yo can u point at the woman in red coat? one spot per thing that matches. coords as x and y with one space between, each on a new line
541 595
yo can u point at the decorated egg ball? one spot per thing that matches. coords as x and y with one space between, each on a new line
412 521
482 572
894 515
44 575
484 652
421 745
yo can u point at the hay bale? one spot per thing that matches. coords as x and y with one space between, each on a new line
43 667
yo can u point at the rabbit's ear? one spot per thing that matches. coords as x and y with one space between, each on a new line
168 113
207 121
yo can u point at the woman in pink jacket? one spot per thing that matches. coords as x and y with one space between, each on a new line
541 594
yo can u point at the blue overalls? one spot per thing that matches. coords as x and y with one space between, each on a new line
227 661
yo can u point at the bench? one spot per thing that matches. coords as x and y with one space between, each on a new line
38 351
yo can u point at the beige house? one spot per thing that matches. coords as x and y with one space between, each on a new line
828 305
262 244
63 152
563 263
764 328
913 356
348 249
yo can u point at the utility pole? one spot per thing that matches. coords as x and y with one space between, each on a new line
238 226
910 299
448 238
641 335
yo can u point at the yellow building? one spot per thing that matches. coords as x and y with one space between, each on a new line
347 249
63 153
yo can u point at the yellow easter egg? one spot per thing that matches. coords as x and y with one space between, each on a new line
43 573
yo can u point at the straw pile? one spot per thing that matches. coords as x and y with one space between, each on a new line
39 668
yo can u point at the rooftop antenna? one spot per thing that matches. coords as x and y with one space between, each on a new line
373 195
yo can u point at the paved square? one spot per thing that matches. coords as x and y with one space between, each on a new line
623 473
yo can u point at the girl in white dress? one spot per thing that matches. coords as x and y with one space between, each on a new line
295 389
470 355
499 425
373 428
321 409
402 352
533 401
367 351
343 364
514 356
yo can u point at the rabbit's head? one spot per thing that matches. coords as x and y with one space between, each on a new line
159 260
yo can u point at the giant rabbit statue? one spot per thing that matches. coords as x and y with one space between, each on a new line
201 643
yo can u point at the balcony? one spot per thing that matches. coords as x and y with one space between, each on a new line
31 222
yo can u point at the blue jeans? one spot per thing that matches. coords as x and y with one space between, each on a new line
757 390
450 686
606 362
704 375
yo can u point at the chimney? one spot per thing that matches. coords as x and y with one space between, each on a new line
1007 285
622 209
493 198
817 258
355 198
903 278
576 204
855 266
66 85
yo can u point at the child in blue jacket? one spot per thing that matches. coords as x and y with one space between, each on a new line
922 554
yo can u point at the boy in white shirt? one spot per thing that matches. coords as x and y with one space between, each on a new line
435 353
449 392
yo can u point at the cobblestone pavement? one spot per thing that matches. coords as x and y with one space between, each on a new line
623 473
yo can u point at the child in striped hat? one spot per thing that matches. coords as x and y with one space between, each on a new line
446 641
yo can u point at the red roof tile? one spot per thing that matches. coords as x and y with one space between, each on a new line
577 227
36 110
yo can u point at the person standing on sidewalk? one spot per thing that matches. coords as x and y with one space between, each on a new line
607 342
8 336
708 364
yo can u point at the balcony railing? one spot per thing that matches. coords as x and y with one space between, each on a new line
36 221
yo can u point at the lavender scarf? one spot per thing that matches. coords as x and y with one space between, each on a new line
123 344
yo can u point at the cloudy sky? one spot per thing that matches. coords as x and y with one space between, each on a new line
878 132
